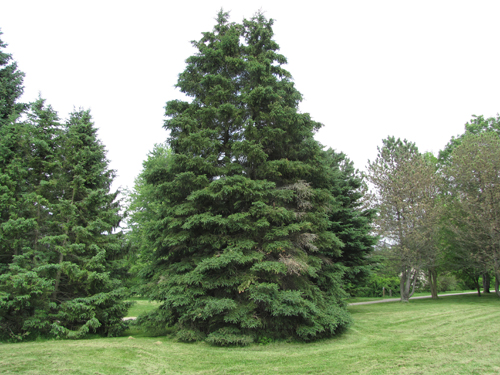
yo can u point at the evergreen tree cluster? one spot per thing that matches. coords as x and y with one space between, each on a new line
254 230
58 245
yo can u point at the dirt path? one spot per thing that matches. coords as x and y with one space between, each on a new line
398 299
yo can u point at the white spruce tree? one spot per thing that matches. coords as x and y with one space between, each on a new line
58 217
243 246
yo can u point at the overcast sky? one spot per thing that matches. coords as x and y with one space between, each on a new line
367 69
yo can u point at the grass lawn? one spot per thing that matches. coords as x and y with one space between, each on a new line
421 294
452 335
141 305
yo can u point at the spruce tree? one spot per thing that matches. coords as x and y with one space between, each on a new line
142 214
58 217
28 164
351 221
243 246
85 292
11 86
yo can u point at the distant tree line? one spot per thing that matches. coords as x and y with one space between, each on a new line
440 214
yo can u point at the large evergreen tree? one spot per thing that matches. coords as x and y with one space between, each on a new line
243 245
58 217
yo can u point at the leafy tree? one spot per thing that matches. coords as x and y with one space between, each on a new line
243 248
472 268
11 86
406 197
477 125
473 173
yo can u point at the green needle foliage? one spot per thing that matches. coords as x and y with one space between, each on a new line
11 86
351 222
57 219
243 243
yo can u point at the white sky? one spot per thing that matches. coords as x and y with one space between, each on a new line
367 69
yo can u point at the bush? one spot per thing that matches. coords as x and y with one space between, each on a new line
447 283
375 285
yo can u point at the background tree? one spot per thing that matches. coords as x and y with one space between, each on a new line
244 248
477 125
351 222
143 207
405 192
473 173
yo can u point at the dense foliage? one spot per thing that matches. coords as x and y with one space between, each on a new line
57 223
252 224
11 86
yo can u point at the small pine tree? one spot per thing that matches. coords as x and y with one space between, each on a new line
351 221
244 248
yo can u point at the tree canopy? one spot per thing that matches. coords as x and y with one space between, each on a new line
249 231
405 194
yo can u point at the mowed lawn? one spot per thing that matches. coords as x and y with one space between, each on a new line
453 335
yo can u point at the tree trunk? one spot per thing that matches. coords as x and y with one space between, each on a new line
433 282
497 276
478 287
414 282
407 279
486 282
497 283
404 283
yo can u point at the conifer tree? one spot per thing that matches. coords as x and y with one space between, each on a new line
244 248
85 292
58 217
27 166
351 221
11 86
142 213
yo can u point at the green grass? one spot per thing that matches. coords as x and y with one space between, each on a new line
141 306
421 294
452 335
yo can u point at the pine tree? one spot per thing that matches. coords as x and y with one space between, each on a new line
243 248
11 86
